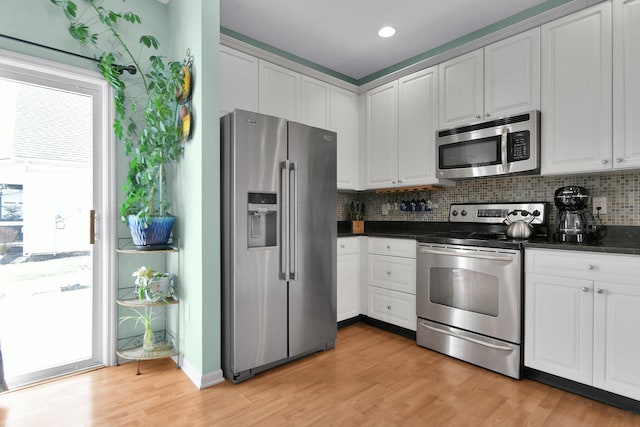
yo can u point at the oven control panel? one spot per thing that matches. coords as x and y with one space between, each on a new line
496 213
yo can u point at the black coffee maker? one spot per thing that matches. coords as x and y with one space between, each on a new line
574 222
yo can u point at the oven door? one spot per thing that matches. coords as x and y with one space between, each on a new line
476 289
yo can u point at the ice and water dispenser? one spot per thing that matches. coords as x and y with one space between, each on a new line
262 220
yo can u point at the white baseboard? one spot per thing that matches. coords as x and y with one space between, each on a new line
201 381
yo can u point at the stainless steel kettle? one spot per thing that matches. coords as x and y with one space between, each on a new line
519 229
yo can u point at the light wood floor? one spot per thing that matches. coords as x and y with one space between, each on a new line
371 378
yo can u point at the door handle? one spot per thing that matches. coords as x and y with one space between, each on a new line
475 255
285 220
92 227
503 149
470 339
294 248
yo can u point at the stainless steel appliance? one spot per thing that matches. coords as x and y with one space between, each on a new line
470 285
279 241
574 222
508 145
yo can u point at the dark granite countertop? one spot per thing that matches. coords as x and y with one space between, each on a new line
619 239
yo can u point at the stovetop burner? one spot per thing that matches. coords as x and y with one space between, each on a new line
481 224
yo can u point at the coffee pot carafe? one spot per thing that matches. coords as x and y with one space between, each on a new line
574 222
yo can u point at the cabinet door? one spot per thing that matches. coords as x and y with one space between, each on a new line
626 84
390 272
512 75
344 121
417 125
238 81
348 286
382 136
576 92
616 345
461 92
559 326
279 91
393 307
314 102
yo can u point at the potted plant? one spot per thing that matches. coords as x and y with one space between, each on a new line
158 142
153 285
150 286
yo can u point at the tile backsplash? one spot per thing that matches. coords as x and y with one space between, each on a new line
622 191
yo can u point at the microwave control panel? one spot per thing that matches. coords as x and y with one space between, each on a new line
518 146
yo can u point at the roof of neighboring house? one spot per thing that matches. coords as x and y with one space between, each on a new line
52 125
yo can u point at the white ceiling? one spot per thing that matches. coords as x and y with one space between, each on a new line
342 34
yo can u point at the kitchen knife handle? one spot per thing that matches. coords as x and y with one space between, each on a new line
294 243
284 226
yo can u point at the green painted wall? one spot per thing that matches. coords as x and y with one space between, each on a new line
196 27
181 24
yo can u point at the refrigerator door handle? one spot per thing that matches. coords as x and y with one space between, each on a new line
294 241
285 267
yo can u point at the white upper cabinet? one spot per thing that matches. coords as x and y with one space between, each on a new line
279 91
626 83
344 121
417 125
512 75
500 80
401 121
314 102
577 92
461 90
238 81
382 136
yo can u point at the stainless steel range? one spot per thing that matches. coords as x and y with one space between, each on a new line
470 285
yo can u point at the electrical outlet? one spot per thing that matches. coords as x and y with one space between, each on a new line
600 202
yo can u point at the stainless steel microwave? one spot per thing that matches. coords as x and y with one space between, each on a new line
504 146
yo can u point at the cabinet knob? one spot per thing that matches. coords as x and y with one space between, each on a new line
342 246
589 267
604 161
477 116
488 114
585 289
399 181
599 291
393 182
388 273
388 307
618 160
388 246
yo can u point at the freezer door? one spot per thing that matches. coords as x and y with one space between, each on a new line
254 295
312 285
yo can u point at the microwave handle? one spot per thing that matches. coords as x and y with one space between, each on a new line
503 148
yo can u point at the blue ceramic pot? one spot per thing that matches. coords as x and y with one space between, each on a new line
155 235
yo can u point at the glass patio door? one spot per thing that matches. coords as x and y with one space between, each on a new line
50 294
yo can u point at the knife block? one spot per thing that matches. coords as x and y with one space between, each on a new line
357 227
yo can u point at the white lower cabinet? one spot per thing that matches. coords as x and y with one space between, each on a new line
581 313
348 267
391 280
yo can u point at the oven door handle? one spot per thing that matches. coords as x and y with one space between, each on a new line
462 337
506 258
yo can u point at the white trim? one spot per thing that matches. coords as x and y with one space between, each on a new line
283 62
522 26
201 381
512 30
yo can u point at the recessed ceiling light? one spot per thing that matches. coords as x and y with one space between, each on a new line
386 32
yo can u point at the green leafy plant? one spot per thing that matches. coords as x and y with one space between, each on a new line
158 142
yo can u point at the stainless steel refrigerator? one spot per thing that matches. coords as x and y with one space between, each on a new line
279 242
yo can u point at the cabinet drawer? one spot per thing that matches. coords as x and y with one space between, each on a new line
393 307
395 247
583 265
394 273
348 245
